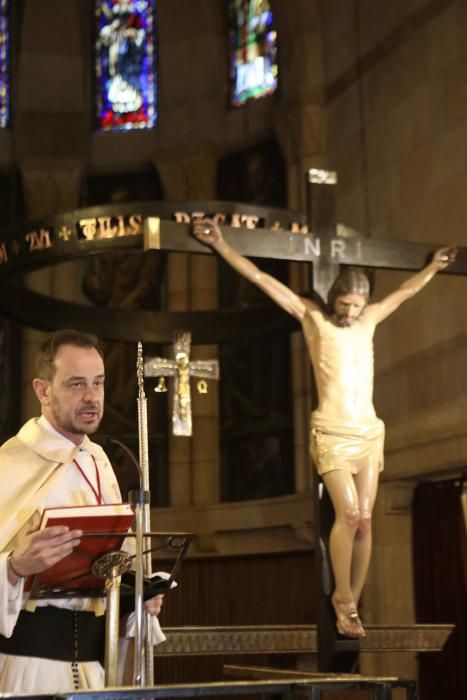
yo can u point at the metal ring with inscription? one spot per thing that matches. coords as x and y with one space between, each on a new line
107 230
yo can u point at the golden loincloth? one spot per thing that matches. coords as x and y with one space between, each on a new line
345 446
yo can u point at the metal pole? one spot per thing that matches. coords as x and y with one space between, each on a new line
137 498
112 624
144 653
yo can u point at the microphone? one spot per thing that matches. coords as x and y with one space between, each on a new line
114 441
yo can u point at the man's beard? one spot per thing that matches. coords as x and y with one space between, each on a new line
69 426
344 321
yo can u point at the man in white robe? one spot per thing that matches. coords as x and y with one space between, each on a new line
51 462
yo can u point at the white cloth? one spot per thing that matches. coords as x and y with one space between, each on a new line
26 674
50 479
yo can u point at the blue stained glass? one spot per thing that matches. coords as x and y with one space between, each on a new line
253 50
4 63
125 64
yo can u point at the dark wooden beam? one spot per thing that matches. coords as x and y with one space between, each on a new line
340 250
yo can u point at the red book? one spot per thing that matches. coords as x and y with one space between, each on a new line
73 573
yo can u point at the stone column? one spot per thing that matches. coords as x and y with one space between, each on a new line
192 286
300 126
51 134
48 186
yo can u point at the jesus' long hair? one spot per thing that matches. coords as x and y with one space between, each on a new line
351 280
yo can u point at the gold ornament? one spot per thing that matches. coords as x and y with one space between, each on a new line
161 386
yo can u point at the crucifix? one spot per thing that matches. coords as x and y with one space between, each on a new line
182 369
323 244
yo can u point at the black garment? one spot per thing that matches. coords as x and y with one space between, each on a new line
56 633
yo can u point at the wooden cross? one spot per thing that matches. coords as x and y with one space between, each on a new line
182 369
323 245
326 245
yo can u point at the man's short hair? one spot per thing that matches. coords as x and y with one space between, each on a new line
351 280
45 358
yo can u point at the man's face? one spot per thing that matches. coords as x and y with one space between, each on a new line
348 309
73 401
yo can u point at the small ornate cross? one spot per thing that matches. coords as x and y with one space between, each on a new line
182 369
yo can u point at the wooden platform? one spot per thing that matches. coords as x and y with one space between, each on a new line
280 639
295 639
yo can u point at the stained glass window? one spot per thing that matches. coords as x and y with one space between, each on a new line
125 64
4 63
253 50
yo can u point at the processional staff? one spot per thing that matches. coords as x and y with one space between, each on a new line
143 659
